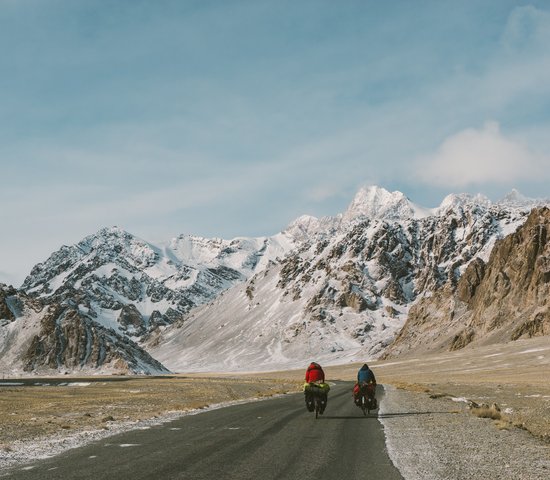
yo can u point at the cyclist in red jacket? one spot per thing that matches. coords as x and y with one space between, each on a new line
314 373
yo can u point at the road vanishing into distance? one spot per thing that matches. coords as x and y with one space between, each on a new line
269 439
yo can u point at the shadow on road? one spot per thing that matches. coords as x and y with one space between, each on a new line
407 414
348 417
383 415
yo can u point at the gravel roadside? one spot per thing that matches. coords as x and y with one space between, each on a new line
439 439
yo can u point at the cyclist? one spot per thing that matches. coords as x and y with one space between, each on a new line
365 375
314 374
365 380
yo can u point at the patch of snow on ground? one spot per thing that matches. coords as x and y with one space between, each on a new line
533 350
460 400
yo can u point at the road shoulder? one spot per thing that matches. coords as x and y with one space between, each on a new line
437 438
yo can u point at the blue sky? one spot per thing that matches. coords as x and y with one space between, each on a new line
231 118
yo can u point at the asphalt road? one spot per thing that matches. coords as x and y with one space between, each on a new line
271 439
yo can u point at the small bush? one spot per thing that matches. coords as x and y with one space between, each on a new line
485 411
502 424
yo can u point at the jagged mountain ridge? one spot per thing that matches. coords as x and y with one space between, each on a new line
500 300
334 288
344 296
134 286
40 338
112 289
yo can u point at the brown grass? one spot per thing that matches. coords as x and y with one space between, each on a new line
37 411
503 424
514 375
486 412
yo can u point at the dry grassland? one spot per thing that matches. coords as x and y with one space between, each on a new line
37 411
514 376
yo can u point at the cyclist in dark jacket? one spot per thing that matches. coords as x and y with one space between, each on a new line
365 375
366 382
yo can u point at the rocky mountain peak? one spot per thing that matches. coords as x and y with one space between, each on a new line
375 202
331 287
303 227
113 242
108 246
462 201
196 250
515 199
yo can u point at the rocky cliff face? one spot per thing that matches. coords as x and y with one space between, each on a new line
7 294
502 299
45 338
345 295
133 287
336 289
69 341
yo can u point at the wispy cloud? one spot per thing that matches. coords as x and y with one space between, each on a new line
228 118
485 156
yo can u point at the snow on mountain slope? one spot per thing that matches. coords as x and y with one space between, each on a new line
16 335
340 297
257 327
330 288
134 286
57 338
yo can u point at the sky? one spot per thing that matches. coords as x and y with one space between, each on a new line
229 118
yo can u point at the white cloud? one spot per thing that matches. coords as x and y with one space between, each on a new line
527 29
474 157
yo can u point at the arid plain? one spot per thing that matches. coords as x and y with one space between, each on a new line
514 376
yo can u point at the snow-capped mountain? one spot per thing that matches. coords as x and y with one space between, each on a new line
133 286
377 203
499 300
331 288
113 289
341 296
40 338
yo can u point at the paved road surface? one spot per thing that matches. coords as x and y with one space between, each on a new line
270 439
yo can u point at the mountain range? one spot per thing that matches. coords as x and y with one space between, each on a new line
383 278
